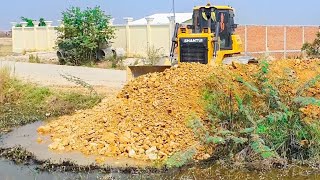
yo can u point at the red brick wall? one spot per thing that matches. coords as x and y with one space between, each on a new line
309 33
275 38
256 38
295 37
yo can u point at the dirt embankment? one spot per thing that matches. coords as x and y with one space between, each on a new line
146 121
148 118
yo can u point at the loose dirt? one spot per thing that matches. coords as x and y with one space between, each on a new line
148 118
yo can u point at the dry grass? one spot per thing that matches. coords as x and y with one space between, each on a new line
5 46
22 103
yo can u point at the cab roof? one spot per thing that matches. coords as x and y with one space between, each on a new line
217 7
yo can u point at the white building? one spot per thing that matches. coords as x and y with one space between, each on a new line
162 18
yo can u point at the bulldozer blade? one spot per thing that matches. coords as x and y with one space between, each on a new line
136 71
240 59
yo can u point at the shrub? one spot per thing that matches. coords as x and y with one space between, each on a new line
82 33
34 58
30 22
313 49
22 103
153 55
258 117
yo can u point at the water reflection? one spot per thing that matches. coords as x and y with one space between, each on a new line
10 171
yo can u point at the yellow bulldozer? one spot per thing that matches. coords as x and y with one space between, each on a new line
210 39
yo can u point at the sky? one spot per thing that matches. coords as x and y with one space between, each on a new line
270 12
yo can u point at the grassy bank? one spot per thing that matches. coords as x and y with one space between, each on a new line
22 103
269 112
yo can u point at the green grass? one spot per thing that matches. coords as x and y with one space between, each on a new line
251 118
34 59
22 103
261 118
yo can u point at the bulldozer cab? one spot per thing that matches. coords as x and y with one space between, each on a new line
208 16
203 17
210 39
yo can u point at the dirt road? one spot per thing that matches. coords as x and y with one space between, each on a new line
48 74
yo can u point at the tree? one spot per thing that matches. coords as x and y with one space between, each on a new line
30 22
82 33
313 49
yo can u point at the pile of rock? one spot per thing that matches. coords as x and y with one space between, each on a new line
148 118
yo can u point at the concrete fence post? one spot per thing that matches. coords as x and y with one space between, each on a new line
24 24
13 34
49 43
149 40
246 39
35 34
111 21
303 35
266 43
128 37
285 42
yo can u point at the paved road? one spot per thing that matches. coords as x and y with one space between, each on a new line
49 74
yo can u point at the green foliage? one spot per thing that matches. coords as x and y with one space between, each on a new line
30 22
215 140
312 49
34 58
42 22
272 128
258 146
153 55
180 158
80 82
22 103
304 101
82 33
115 62
308 84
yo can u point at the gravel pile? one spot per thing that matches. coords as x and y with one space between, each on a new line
147 120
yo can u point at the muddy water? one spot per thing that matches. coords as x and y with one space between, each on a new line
26 137
9 171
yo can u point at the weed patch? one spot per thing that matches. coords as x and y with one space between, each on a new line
258 116
34 59
22 103
260 113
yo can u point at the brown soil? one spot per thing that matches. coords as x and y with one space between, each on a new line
148 118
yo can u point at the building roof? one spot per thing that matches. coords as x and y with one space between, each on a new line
162 18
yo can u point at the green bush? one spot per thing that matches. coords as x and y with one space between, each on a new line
22 103
34 59
313 49
82 33
153 55
30 22
256 119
